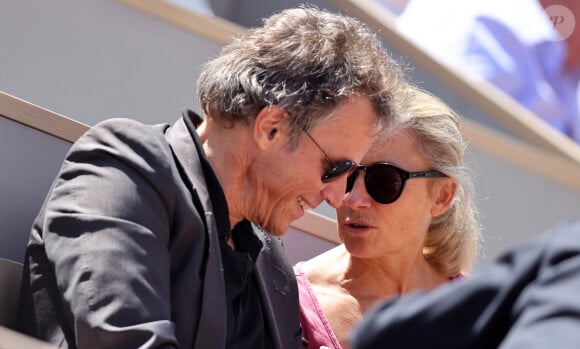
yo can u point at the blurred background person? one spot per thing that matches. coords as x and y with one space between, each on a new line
526 298
529 49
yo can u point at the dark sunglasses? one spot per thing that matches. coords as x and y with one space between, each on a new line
385 182
337 169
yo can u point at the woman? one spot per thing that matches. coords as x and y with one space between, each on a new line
407 222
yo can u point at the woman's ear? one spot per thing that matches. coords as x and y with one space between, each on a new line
267 125
444 192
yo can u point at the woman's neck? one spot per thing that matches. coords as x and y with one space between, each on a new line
375 278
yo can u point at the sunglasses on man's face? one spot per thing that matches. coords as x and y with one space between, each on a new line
337 169
385 182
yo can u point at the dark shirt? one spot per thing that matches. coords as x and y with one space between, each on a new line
246 322
246 326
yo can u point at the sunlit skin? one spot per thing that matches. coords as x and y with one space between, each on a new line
382 251
270 184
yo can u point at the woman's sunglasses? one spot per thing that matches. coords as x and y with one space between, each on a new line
385 182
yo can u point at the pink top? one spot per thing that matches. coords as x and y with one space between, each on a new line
315 326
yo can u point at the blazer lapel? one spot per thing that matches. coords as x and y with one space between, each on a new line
211 332
279 292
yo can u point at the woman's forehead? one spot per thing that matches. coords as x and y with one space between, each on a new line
392 147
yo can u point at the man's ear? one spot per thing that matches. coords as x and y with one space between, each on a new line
444 192
268 125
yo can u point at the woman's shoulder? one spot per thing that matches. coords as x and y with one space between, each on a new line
318 267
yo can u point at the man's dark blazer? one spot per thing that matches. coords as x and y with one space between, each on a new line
528 298
120 257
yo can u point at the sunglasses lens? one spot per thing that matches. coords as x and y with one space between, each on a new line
350 181
384 183
338 170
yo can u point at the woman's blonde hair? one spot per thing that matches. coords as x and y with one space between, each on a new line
452 241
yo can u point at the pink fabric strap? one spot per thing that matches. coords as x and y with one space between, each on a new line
315 325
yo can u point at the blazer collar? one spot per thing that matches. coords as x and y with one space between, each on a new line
211 331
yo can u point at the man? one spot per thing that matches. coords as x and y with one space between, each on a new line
145 238
528 298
